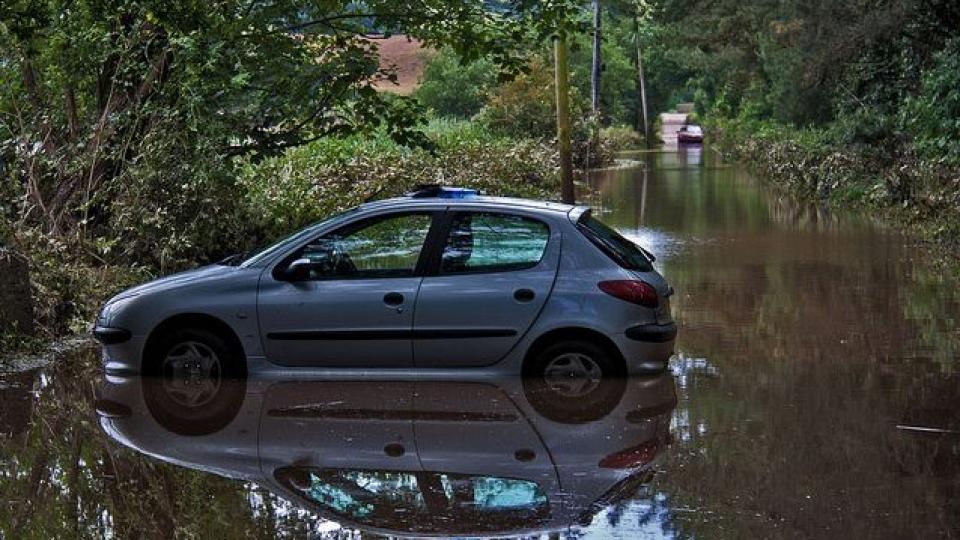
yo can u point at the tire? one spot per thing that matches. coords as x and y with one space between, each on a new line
232 364
574 382
194 382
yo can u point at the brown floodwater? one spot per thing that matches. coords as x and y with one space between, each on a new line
815 394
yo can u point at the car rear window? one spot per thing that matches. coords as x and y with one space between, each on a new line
491 242
622 251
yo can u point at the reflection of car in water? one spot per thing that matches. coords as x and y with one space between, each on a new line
690 133
690 155
406 457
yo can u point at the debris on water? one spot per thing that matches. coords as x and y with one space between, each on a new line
26 362
922 429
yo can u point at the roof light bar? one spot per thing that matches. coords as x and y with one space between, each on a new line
442 192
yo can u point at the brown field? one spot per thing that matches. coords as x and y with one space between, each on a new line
407 56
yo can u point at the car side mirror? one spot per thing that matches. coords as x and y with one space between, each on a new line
298 270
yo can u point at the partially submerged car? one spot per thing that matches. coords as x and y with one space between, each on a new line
474 458
440 279
690 133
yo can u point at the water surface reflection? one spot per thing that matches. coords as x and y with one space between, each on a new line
806 338
463 458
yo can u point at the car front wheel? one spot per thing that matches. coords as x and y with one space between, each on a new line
194 382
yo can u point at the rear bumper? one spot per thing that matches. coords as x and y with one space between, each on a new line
653 333
647 348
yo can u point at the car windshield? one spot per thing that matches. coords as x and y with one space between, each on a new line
623 251
253 257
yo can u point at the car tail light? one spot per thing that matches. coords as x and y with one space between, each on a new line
633 291
631 458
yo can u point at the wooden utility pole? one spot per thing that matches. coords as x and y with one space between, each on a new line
642 85
562 83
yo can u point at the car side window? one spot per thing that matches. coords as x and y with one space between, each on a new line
383 247
493 242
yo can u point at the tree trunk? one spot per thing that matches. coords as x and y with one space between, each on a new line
595 69
597 63
645 124
563 118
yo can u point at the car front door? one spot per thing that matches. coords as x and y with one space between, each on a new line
346 299
496 271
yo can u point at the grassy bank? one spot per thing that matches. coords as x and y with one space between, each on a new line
888 177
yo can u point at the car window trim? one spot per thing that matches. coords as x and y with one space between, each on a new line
358 224
433 270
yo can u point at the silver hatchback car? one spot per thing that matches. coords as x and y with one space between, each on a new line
439 281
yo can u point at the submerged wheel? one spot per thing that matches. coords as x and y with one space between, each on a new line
193 382
193 352
573 382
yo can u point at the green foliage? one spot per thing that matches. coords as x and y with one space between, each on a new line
621 137
332 174
801 63
619 95
526 105
933 115
453 88
68 291
124 121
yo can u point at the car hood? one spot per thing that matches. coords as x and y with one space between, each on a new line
174 281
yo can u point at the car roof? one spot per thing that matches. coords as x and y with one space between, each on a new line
471 201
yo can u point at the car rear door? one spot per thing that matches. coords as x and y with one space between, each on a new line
494 272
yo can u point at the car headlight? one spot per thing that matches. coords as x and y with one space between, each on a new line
113 308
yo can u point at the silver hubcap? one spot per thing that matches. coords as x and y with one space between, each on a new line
191 374
572 375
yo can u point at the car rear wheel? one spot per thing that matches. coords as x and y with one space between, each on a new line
574 382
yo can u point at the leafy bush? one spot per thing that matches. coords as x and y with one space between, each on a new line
67 290
453 88
332 174
621 138
933 116
526 105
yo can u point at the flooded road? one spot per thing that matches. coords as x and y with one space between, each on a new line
815 394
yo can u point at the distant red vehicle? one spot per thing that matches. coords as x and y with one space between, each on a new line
690 133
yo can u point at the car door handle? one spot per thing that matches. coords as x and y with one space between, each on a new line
393 299
524 295
394 450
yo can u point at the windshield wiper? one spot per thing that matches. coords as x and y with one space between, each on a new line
233 260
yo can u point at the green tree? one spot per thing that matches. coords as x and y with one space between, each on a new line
121 121
452 88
